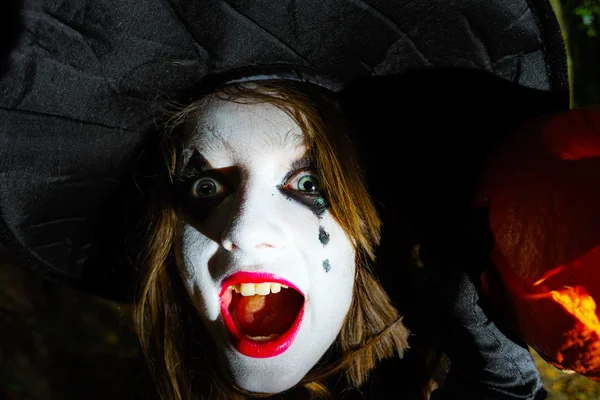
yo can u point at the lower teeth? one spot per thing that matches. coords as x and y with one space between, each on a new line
263 338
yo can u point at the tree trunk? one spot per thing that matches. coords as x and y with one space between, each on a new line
581 27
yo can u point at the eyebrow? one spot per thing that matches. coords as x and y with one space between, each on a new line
303 162
197 163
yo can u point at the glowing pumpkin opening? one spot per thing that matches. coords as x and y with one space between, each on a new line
542 189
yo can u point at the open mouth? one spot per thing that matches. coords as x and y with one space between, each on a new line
262 313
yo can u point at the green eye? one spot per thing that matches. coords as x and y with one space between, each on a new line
308 183
206 187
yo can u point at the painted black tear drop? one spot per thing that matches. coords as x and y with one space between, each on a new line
326 265
323 236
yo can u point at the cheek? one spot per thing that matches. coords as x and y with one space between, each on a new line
335 248
208 220
332 285
194 248
338 266
332 272
194 252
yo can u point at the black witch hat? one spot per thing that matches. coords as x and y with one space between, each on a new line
78 87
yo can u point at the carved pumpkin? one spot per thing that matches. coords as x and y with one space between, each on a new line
542 190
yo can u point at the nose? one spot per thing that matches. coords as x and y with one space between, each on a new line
256 223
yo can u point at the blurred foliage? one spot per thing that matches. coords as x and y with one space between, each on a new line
565 386
589 12
580 23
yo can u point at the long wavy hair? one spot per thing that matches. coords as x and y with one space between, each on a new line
177 346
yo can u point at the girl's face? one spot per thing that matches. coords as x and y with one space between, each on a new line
269 270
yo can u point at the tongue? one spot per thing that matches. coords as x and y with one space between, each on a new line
266 315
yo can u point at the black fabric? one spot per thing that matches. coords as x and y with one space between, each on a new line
77 97
489 361
10 25
486 364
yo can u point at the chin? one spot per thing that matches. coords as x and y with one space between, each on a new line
265 382
282 372
274 378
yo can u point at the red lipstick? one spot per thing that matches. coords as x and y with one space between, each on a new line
243 344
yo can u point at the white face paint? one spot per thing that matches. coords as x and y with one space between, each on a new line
254 219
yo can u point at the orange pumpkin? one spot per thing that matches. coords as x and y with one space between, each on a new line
542 189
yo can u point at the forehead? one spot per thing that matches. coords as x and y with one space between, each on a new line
227 125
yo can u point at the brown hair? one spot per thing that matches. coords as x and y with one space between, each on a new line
175 343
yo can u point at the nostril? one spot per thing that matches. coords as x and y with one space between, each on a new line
228 245
265 246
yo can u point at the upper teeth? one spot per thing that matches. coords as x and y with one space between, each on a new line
250 289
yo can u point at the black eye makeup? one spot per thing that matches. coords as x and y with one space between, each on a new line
303 186
199 188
